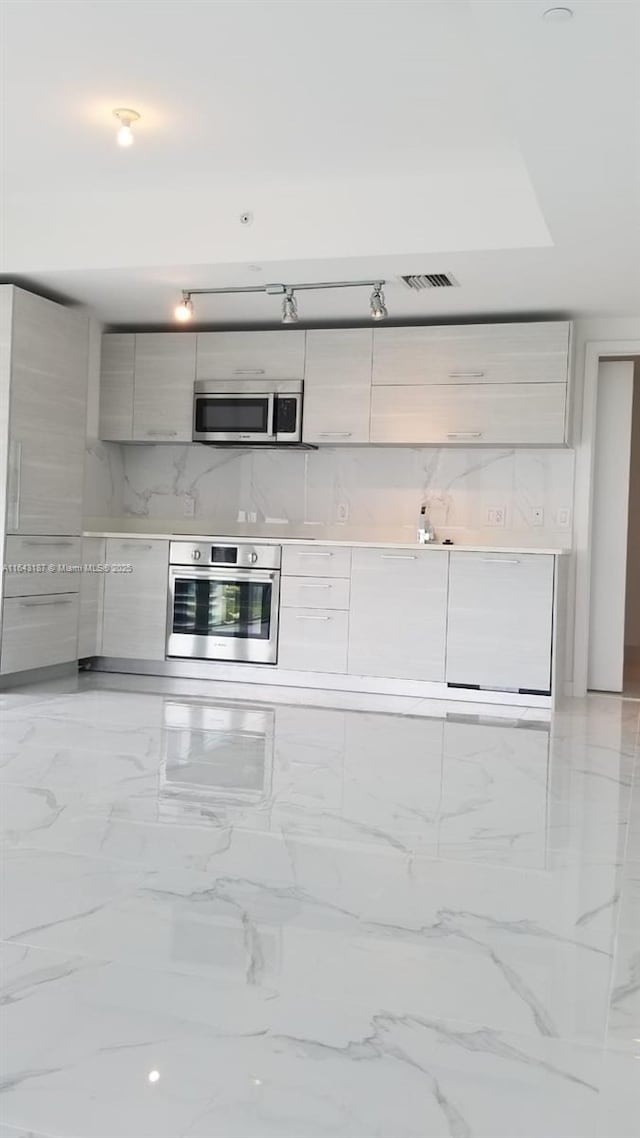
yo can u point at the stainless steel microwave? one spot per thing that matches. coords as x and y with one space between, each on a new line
247 411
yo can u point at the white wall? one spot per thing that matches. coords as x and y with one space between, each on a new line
632 616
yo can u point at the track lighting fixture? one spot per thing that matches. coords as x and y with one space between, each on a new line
378 307
125 117
184 310
289 308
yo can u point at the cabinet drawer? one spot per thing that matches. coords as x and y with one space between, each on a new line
250 355
315 592
37 552
315 561
313 640
480 414
39 631
481 353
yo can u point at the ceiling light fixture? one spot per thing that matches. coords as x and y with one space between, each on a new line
289 308
184 310
125 117
377 305
558 15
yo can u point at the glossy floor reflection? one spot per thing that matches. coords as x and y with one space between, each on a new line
233 919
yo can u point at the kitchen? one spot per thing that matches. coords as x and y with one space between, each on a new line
319 381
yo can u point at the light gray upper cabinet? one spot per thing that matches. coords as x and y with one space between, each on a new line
251 355
337 386
398 613
165 371
146 386
474 353
116 386
500 620
135 603
49 370
470 414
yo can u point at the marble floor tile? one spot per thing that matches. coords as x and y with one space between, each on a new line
226 916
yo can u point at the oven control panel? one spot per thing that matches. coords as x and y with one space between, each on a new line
219 553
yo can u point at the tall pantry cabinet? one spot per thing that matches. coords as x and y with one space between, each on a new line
43 390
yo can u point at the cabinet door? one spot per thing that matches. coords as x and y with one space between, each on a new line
49 565
91 597
313 639
116 386
165 370
39 631
135 603
337 386
500 621
250 355
398 614
494 414
482 353
47 426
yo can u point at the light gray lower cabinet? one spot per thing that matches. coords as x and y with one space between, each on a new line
135 602
500 621
39 631
313 639
91 597
42 565
398 613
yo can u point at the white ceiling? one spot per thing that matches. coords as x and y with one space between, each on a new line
368 137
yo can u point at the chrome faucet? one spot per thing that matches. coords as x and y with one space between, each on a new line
426 532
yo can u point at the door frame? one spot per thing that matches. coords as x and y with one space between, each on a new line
595 350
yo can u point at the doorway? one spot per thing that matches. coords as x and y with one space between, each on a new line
614 618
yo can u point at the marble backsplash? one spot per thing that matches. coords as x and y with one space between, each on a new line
199 487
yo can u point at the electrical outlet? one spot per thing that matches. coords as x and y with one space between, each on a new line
537 516
342 512
496 516
563 517
189 506
252 516
242 517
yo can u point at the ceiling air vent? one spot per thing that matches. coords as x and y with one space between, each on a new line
419 281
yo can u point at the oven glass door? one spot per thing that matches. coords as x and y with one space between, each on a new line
223 614
234 418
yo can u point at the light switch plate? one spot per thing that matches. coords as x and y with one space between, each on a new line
563 517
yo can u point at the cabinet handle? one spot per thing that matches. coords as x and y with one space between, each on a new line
134 545
249 371
464 435
398 556
466 374
335 434
41 602
17 481
303 616
48 544
315 586
501 560
327 554
162 434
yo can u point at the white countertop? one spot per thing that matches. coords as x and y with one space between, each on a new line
337 535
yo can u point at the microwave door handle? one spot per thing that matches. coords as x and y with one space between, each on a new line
271 411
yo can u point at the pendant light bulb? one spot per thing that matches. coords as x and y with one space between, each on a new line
184 310
125 117
378 308
289 308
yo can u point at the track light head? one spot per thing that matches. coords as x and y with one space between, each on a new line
184 311
377 306
289 308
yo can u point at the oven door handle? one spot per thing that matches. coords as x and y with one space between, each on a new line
229 574
271 414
